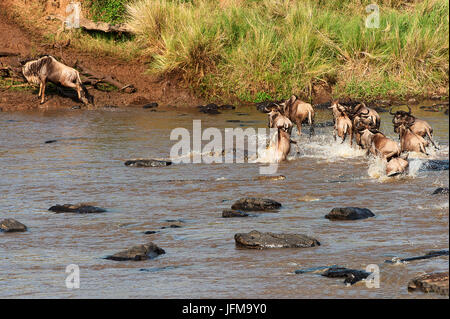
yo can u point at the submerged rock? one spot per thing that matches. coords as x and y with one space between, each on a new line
173 223
11 225
209 109
349 213
432 282
315 270
150 105
227 213
255 204
351 276
78 209
227 107
440 190
434 165
213 108
147 163
258 240
431 254
140 252
324 124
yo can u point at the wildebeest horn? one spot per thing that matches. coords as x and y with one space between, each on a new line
364 114
390 111
409 110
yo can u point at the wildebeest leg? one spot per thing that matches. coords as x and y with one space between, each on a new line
299 128
431 139
74 86
343 137
311 128
43 92
40 89
351 137
422 149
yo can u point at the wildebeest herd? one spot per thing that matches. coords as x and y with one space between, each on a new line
358 121
355 120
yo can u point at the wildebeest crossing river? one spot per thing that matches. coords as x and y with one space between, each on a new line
85 164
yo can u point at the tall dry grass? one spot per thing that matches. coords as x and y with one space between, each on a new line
270 48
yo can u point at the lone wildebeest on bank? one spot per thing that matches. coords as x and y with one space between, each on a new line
47 68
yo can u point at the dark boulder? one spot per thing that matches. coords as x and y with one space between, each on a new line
432 282
140 252
440 190
150 105
351 276
349 213
11 225
227 213
264 106
78 209
147 163
255 204
209 109
258 240
227 107
150 232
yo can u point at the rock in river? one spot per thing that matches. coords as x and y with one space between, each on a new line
349 213
258 240
78 209
440 190
434 165
351 276
432 282
150 105
227 213
431 254
12 225
140 252
255 204
147 163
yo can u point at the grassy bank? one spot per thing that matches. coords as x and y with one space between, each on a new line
267 49
256 50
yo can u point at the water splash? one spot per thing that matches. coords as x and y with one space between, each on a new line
325 147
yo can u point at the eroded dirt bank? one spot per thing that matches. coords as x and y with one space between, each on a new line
26 43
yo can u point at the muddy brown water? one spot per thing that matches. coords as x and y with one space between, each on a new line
86 164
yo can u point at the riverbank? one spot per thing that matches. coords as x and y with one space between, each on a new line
241 52
17 36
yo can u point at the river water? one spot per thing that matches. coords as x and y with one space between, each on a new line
86 165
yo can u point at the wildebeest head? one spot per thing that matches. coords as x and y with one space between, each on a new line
279 121
337 107
402 117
